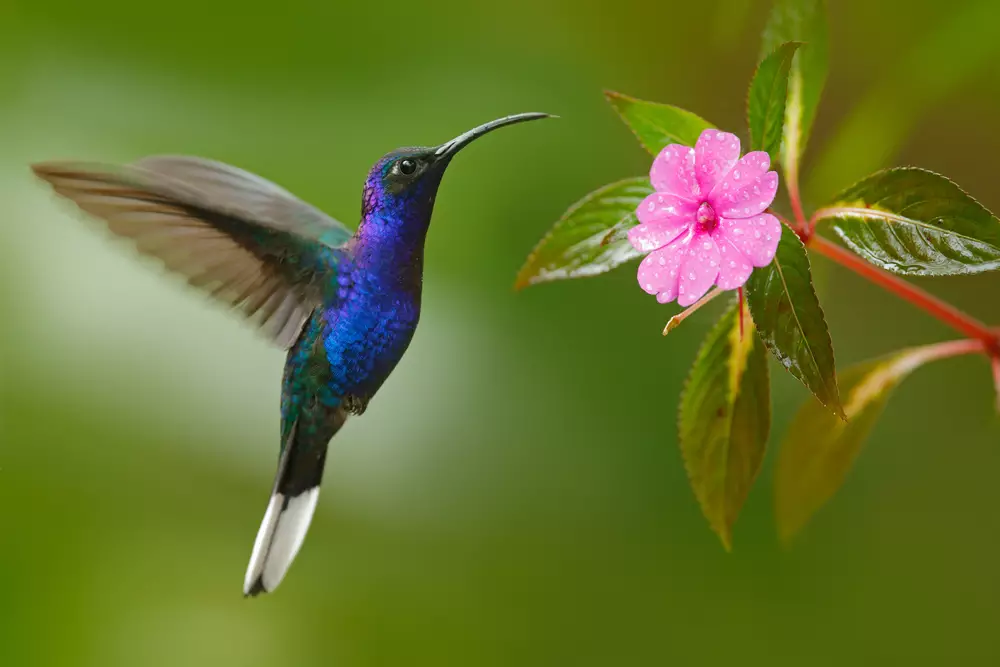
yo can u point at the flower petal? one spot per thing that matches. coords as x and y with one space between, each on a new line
734 267
663 218
661 207
750 166
647 238
658 273
756 238
699 269
673 172
742 194
715 155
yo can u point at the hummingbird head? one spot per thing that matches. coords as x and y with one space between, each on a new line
400 190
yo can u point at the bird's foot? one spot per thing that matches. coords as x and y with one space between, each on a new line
356 405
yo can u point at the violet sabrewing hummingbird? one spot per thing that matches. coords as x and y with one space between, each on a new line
343 305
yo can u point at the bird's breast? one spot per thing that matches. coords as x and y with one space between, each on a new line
368 330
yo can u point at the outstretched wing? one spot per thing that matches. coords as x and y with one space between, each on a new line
242 239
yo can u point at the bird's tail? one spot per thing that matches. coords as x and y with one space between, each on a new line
289 512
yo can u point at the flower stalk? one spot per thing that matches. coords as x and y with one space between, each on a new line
675 321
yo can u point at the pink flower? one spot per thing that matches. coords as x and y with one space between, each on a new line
705 224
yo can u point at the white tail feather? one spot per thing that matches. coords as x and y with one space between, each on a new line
281 533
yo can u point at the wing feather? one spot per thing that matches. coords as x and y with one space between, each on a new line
239 238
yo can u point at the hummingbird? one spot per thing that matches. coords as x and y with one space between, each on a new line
343 305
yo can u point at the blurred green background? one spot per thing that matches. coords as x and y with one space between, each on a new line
514 496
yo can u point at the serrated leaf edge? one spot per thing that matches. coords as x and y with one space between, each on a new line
522 281
734 378
837 408
788 77
842 207
611 95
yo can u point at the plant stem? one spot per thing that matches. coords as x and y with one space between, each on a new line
948 349
935 307
792 185
675 321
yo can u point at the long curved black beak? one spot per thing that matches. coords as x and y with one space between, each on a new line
447 150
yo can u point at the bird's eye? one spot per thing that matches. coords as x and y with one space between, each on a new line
407 166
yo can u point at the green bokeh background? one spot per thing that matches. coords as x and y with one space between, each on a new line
514 496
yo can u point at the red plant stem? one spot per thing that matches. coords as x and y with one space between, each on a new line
935 307
792 185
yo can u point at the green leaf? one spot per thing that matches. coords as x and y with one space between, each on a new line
766 100
820 449
916 223
790 320
799 21
725 419
657 125
590 238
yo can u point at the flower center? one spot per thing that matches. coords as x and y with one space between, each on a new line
707 219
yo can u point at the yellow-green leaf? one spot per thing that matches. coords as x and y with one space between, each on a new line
820 448
657 125
725 419
590 238
766 100
799 21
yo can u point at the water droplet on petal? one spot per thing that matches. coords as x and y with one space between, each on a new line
662 261
692 276
736 174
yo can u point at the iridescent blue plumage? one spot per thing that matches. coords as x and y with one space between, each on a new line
344 305
351 344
